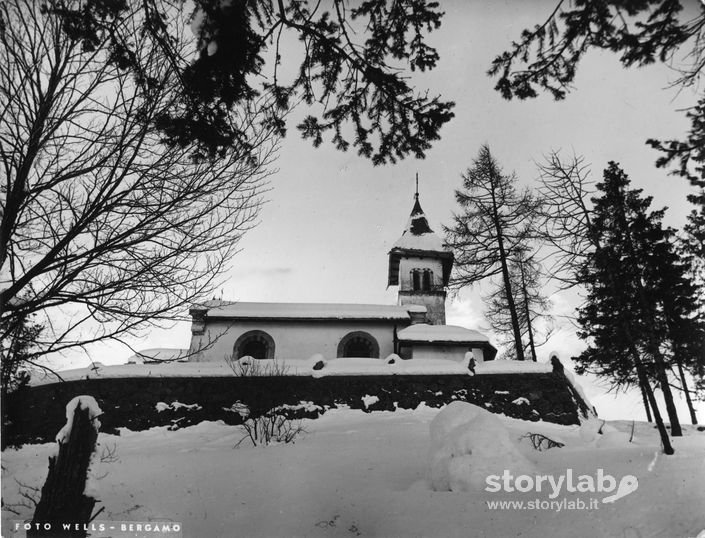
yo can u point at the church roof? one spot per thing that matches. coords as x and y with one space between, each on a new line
418 239
308 311
418 235
446 335
422 332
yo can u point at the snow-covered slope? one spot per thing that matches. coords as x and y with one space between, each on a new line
357 474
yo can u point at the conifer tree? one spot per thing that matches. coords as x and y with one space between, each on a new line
692 249
681 307
496 220
638 304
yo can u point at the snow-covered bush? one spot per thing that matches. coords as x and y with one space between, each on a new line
540 442
269 428
469 443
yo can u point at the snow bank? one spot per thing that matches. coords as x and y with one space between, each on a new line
469 443
82 402
595 432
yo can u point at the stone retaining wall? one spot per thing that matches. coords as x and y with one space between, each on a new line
35 414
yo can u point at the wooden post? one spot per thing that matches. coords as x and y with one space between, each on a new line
63 509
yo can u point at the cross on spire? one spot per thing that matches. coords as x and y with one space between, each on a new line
416 195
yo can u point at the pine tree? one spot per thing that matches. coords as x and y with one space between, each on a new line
495 222
692 252
678 297
637 297
692 249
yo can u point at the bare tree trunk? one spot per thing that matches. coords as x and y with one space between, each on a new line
665 386
688 399
646 402
527 311
518 344
516 330
644 382
62 500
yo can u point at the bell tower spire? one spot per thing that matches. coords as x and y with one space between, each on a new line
420 264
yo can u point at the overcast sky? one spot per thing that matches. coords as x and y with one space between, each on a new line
332 217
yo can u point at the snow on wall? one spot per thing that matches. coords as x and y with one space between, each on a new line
362 366
339 366
513 367
578 388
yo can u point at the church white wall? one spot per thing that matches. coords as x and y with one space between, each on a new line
294 340
454 353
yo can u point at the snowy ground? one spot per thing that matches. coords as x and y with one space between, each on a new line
366 474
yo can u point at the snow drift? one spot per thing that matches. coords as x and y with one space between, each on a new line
469 443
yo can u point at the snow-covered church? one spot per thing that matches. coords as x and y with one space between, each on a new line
414 328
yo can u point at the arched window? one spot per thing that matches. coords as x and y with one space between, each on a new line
427 280
358 344
421 279
255 344
416 280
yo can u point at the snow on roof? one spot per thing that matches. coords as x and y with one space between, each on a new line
418 235
427 241
513 367
418 238
309 311
423 332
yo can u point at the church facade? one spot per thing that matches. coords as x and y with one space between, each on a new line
414 328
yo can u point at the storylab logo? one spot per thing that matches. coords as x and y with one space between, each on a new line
556 486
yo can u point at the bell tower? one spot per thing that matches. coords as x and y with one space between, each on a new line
420 264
